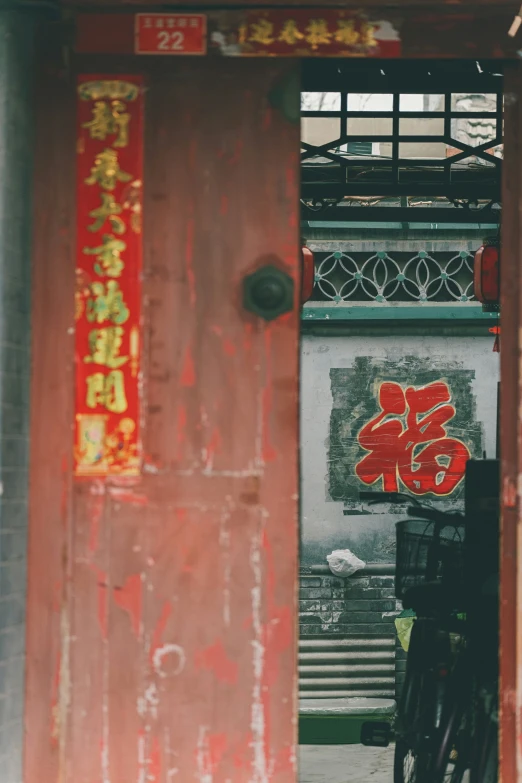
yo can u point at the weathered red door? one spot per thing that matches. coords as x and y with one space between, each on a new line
161 621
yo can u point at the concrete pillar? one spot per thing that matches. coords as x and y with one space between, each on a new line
16 143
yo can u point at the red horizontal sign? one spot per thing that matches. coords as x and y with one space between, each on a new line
314 32
171 34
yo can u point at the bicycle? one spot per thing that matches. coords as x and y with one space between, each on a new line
469 726
429 580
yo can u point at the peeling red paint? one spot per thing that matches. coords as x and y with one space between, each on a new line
286 318
159 630
64 499
279 629
182 614
128 496
209 753
130 599
215 659
57 596
154 762
189 260
184 551
213 445
103 609
229 347
102 598
55 718
278 634
217 744
188 373
509 493
242 754
269 452
285 760
152 465
291 186
182 423
97 503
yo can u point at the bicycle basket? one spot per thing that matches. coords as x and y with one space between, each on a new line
429 552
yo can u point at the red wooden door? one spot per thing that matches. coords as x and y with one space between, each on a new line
170 654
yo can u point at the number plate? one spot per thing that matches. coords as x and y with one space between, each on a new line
171 34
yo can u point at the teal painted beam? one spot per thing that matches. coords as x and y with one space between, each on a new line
371 312
396 226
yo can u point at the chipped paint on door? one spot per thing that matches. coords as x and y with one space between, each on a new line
174 658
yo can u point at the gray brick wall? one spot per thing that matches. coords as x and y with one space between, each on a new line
359 605
15 305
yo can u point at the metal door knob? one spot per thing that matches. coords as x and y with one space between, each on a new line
268 292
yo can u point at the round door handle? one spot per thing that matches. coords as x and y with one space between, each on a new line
268 292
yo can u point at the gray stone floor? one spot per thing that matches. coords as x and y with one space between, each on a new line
345 764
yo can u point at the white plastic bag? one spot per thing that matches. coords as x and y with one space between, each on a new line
343 562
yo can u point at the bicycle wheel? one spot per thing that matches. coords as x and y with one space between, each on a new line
415 712
417 707
456 767
451 754
485 755
409 764
490 769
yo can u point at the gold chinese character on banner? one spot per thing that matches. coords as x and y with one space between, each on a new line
346 32
367 34
262 32
112 89
109 210
106 171
290 33
132 201
317 33
109 263
107 390
104 347
106 303
109 120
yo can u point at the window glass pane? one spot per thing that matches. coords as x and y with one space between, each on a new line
320 101
320 130
369 102
416 102
461 101
369 126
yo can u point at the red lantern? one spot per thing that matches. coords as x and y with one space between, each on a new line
308 275
486 274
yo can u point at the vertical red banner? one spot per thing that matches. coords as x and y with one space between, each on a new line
108 275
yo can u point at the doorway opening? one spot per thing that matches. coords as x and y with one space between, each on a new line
401 185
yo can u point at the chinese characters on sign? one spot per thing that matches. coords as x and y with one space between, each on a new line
303 33
171 34
407 441
108 274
